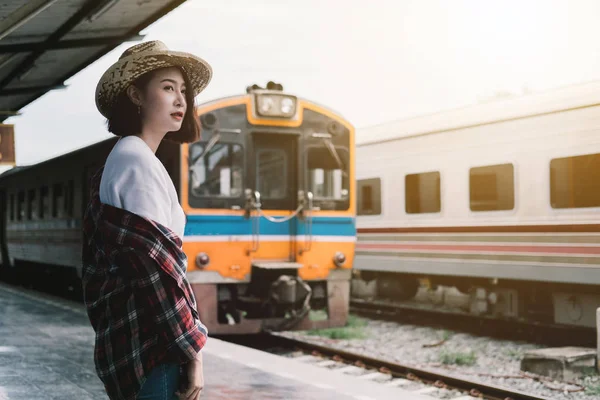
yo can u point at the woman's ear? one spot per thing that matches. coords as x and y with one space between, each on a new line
134 95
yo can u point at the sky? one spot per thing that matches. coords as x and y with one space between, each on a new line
372 61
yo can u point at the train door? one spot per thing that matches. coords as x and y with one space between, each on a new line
275 180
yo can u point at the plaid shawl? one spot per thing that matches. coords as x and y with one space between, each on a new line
138 300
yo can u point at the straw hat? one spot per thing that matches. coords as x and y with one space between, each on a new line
142 58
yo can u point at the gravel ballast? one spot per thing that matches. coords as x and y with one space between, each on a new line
474 358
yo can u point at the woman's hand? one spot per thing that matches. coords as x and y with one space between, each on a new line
195 377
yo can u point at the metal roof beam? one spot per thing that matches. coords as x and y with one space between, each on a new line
9 113
170 6
30 89
67 44
78 17
23 14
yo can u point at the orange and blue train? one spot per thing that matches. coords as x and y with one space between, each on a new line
269 195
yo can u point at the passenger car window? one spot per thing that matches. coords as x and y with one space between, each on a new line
369 196
492 188
422 193
575 181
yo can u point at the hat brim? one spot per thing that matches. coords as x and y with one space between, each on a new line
124 72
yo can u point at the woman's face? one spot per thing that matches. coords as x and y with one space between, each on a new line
163 101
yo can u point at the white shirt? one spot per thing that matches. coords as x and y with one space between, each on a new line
134 179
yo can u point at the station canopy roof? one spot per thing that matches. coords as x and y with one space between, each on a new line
45 42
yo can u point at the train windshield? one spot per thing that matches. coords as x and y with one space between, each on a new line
271 173
216 171
328 173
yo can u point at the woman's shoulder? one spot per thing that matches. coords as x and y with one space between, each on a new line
132 152
131 147
132 156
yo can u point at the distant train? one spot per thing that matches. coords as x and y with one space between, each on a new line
269 197
501 200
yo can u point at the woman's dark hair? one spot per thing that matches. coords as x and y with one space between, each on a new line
125 120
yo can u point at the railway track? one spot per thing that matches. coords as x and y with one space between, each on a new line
421 381
536 332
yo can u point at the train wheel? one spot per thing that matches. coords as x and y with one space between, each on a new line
464 288
397 287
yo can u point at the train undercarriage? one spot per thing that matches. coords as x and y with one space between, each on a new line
274 300
543 302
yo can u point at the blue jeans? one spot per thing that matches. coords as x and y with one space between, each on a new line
161 384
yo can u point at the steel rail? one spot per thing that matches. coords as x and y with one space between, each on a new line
474 388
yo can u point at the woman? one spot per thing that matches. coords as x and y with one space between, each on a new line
143 310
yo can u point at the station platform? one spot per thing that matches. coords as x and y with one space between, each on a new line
46 352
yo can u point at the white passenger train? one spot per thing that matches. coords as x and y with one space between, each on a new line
502 197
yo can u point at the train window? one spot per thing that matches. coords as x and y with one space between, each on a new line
57 199
422 193
369 196
31 204
21 206
271 173
492 188
327 178
574 181
218 173
44 205
11 206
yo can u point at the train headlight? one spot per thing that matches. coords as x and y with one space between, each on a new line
202 260
266 105
287 106
339 259
275 105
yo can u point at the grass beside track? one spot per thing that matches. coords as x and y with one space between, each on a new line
354 329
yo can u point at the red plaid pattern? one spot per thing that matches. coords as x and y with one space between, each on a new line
138 300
